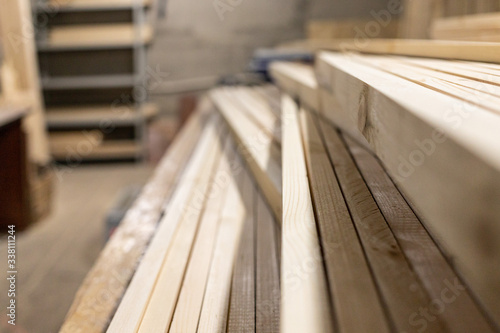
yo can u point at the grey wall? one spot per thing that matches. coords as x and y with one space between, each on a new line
207 38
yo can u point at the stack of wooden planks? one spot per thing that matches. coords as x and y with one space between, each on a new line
355 256
363 198
213 262
434 125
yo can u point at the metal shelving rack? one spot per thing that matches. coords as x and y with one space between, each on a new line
92 59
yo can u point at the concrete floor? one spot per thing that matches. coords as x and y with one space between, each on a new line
54 256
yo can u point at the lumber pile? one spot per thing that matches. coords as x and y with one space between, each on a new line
379 264
434 125
362 198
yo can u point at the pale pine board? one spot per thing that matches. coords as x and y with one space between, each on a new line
305 305
354 293
188 308
215 306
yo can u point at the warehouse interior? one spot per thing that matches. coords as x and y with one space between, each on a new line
249 166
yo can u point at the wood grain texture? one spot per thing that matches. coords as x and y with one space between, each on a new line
352 288
420 134
267 279
215 306
304 294
98 297
400 288
161 305
461 313
188 308
131 309
257 149
241 316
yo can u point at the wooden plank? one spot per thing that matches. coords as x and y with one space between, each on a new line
160 308
267 279
98 297
257 148
404 124
304 293
258 111
353 291
215 306
298 80
241 316
131 309
188 308
442 49
468 24
461 314
400 288
348 28
484 95
480 72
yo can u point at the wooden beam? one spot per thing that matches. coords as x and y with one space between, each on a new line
441 49
102 289
257 148
299 80
304 293
420 134
468 27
